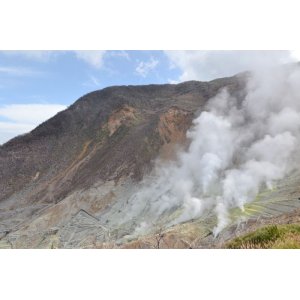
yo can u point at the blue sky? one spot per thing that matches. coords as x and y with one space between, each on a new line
35 85
62 77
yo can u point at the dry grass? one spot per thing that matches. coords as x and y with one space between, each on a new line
269 237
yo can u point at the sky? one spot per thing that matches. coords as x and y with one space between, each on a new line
35 85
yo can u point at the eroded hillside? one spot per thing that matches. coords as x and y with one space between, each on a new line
87 156
70 183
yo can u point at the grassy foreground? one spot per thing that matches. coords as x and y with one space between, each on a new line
269 237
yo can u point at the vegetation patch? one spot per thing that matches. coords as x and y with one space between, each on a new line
269 237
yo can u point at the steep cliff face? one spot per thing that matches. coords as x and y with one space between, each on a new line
58 181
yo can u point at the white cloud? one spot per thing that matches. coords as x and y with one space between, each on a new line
22 118
144 68
93 82
208 65
171 81
93 57
30 113
120 53
296 54
8 130
19 71
37 55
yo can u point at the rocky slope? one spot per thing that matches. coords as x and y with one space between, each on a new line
66 183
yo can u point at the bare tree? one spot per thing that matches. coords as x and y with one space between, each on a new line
159 237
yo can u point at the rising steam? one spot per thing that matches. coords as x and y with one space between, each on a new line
238 146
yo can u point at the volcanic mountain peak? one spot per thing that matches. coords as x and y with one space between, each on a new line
70 181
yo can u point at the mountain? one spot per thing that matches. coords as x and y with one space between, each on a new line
65 184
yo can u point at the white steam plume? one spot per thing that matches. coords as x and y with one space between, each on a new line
238 146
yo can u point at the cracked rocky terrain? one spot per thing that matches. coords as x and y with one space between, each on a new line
67 183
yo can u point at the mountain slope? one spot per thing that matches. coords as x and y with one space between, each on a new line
67 183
